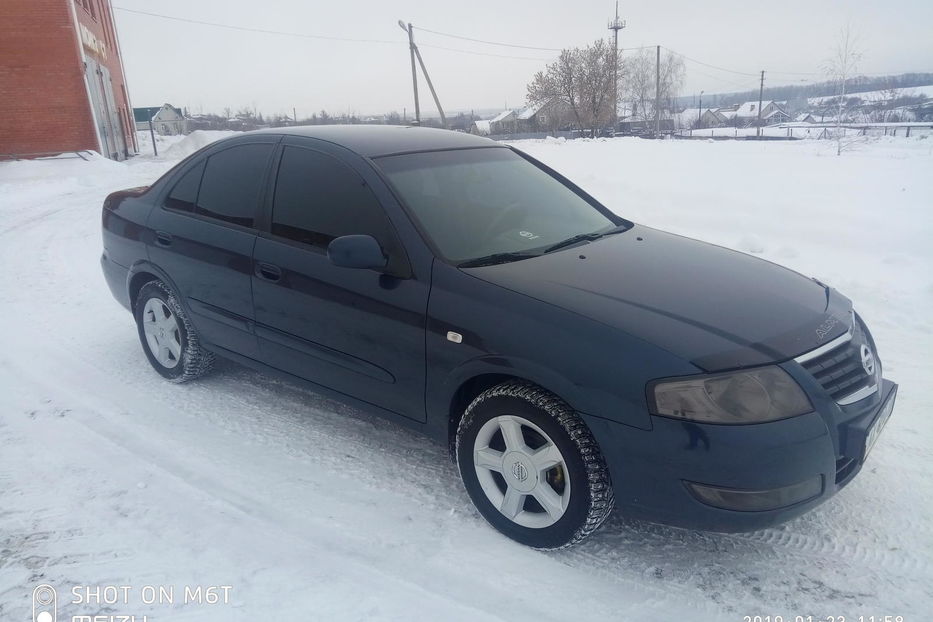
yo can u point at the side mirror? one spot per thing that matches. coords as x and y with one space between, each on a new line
356 251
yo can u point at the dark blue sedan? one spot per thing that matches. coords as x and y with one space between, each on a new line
571 359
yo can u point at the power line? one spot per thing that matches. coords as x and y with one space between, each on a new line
440 47
312 36
508 45
699 62
259 30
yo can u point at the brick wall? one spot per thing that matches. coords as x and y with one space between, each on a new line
43 99
98 18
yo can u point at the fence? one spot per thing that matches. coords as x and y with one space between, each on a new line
799 131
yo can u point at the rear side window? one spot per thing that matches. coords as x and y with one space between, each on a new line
184 195
232 183
318 198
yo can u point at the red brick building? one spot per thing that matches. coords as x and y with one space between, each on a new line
62 86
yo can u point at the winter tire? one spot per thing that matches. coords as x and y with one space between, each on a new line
532 467
168 338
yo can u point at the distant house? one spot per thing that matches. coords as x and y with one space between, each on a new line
480 127
526 120
502 123
727 114
770 112
167 120
775 116
805 117
695 118
713 118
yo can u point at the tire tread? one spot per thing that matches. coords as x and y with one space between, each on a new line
196 360
602 499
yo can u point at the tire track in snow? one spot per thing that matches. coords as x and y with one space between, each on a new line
116 432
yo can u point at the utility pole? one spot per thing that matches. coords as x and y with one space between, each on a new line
155 150
700 109
295 116
761 90
657 95
615 25
415 52
427 78
414 72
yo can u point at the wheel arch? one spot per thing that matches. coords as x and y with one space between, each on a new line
141 273
482 374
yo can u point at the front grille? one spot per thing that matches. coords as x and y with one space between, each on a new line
839 369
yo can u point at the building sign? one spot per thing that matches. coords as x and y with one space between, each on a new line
93 43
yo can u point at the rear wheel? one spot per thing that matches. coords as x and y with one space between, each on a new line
169 340
532 467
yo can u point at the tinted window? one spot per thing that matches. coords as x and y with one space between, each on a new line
185 193
232 183
478 202
317 198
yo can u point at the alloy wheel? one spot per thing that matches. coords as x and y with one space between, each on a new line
521 471
163 336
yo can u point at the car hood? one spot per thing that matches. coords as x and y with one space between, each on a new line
717 308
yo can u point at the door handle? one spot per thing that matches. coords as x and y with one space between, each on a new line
163 238
268 271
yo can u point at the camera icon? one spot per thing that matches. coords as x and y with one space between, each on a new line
44 604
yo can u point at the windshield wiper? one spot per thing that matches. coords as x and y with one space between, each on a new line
589 237
495 258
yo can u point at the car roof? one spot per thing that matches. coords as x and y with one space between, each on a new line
380 140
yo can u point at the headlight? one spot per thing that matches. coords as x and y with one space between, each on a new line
749 396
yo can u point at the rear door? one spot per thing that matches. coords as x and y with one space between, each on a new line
203 238
359 332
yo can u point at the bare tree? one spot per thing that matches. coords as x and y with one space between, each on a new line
840 67
641 82
580 81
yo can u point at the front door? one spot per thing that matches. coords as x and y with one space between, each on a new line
359 332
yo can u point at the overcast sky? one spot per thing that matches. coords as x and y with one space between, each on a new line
207 68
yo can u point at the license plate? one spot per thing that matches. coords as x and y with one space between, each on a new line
880 421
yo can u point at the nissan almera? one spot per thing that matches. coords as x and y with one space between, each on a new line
572 360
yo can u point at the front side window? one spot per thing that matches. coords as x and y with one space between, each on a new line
232 184
318 198
476 203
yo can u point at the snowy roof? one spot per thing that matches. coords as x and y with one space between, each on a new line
803 116
502 116
143 115
726 113
482 127
750 109
530 111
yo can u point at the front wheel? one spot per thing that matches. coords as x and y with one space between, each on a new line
532 467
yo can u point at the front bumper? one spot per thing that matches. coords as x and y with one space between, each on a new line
654 472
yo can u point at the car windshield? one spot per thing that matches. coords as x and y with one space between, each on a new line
490 203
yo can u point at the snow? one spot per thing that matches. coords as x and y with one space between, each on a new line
870 96
196 140
530 111
309 509
814 130
482 127
502 116
750 109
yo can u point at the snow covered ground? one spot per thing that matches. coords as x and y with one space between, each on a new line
308 509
